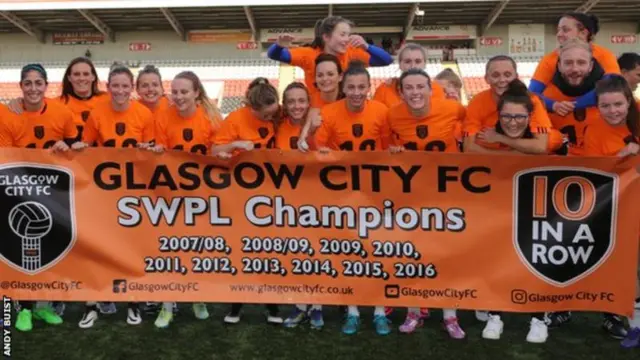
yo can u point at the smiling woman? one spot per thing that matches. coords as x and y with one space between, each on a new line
150 90
80 91
42 124
118 123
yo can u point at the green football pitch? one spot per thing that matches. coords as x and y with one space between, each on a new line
187 338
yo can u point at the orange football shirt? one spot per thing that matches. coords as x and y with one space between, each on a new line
110 128
482 112
434 132
389 95
287 135
193 134
548 65
305 57
241 124
81 108
37 129
603 139
341 129
572 125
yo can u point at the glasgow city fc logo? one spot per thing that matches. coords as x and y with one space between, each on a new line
37 217
564 221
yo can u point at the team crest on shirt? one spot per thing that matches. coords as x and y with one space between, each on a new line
263 132
85 115
422 131
187 134
630 139
564 221
357 130
580 114
121 128
293 142
38 132
37 216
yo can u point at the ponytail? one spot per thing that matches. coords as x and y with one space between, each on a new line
118 68
516 93
203 99
588 22
149 69
356 67
326 26
260 93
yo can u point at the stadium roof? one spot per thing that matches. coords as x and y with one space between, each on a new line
393 13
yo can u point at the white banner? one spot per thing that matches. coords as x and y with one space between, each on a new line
624 39
442 32
301 35
526 39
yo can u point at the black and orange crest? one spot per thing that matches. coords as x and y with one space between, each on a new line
357 130
38 132
38 226
580 114
564 221
263 132
121 128
630 139
293 142
422 131
187 134
85 115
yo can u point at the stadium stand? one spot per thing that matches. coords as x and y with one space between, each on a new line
225 80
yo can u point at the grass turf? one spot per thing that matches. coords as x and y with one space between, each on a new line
187 338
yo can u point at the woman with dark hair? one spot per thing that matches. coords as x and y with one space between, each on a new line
515 112
617 133
332 36
328 78
80 91
355 124
408 123
80 94
482 111
42 124
571 26
410 56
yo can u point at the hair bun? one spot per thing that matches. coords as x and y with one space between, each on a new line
117 65
595 22
356 64
517 88
258 81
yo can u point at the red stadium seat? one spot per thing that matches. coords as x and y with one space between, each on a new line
474 85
